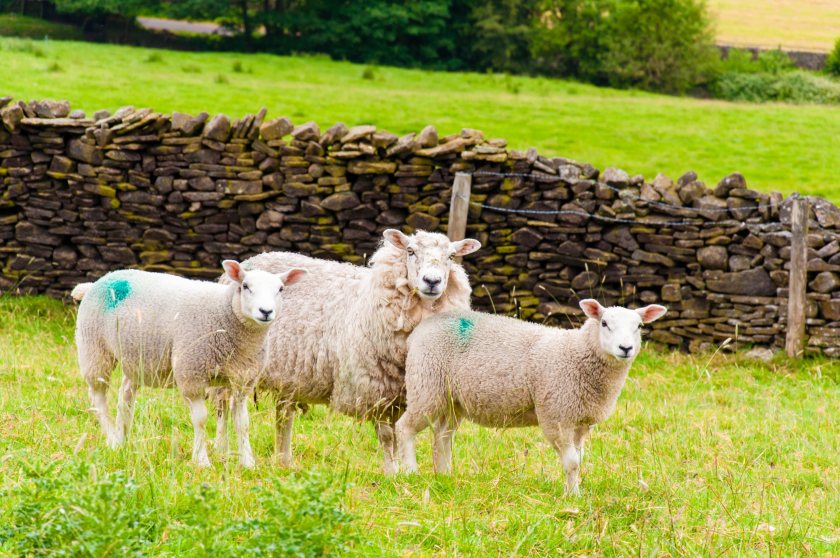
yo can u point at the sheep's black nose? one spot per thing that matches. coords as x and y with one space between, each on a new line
432 281
266 313
625 349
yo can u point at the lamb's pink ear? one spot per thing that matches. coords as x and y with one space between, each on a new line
651 312
466 246
234 270
292 276
396 238
591 308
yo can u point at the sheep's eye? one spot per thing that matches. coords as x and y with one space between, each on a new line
247 288
280 290
410 251
604 323
641 325
451 256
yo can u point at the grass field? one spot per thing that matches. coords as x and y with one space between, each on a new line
792 24
713 455
777 147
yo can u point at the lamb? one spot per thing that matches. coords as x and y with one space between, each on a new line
502 372
341 339
167 330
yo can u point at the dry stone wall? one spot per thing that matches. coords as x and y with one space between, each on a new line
177 193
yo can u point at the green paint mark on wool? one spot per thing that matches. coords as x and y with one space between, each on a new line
114 291
465 327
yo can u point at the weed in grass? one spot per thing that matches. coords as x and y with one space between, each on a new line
220 79
191 69
54 67
237 67
153 58
369 73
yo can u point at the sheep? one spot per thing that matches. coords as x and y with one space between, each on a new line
502 372
341 339
169 331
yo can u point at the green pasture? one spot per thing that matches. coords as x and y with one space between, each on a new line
777 147
712 455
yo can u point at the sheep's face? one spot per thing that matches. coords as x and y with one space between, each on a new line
620 329
429 258
259 291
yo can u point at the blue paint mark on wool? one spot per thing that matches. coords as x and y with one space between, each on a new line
465 329
114 291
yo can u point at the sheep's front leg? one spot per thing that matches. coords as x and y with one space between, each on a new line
241 423
198 414
407 428
563 441
387 441
125 409
445 428
284 420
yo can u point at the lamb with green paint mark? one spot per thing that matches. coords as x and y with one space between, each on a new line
167 331
502 372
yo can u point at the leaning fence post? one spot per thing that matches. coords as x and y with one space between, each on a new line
798 278
459 207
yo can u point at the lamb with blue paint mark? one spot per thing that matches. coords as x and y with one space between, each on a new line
167 331
502 372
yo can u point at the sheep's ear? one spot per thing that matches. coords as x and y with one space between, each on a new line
234 270
466 246
396 238
651 312
292 276
591 308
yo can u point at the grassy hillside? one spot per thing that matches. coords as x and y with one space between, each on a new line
793 24
777 147
707 455
15 25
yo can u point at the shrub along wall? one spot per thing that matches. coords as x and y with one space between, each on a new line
177 193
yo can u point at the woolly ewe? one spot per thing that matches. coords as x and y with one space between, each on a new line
166 330
340 339
502 372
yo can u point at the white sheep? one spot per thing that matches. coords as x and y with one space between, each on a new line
169 331
502 372
341 338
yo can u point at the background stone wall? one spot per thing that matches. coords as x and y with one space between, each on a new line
177 193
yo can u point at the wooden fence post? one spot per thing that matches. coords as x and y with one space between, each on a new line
459 207
798 278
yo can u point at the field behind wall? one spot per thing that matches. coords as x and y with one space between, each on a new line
776 147
705 455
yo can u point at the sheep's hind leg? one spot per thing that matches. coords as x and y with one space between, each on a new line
96 368
284 420
198 414
563 441
125 408
444 428
241 422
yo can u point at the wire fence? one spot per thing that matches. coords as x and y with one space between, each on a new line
624 194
